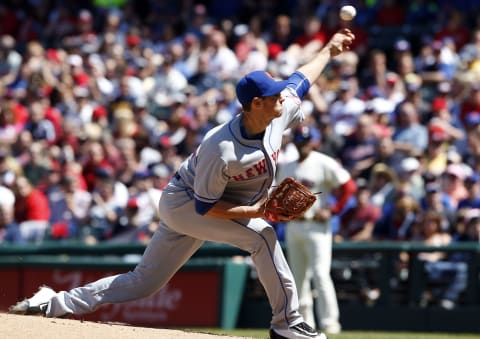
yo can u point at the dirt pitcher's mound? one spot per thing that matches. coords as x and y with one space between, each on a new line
35 327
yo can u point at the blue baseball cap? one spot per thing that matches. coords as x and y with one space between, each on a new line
302 134
258 84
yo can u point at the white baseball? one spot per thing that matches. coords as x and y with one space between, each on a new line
348 12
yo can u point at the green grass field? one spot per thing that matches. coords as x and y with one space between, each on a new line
263 334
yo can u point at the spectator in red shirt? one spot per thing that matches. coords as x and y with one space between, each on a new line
358 221
311 32
94 160
455 29
20 111
281 36
471 104
31 210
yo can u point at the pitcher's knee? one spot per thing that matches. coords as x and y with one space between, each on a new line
267 239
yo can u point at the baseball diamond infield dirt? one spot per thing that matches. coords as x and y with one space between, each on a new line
28 327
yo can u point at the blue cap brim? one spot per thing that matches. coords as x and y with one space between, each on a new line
276 88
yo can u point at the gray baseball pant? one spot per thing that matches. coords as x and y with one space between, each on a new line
181 233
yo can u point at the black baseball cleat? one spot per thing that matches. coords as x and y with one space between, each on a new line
36 305
299 331
23 307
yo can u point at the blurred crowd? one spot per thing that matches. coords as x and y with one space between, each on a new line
102 100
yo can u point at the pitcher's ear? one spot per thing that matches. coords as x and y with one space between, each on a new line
257 102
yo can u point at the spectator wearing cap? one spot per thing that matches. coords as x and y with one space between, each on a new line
409 135
100 117
382 182
385 152
437 265
425 53
94 159
129 160
394 87
107 207
472 231
128 228
410 180
398 218
445 91
472 126
435 199
109 198
472 184
454 184
228 106
414 94
449 56
176 51
161 174
39 126
31 210
358 221
38 164
69 206
83 104
203 80
470 53
442 119
435 70
436 152
147 197
346 108
84 38
401 47
359 151
380 110
10 58
251 51
191 45
169 84
375 71
52 113
404 65
223 62
330 142
124 96
102 87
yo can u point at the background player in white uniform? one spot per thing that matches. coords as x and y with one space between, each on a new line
309 240
218 194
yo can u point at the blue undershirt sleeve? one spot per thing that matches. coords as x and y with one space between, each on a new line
298 82
203 207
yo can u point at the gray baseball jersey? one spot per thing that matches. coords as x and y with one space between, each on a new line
225 166
231 167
